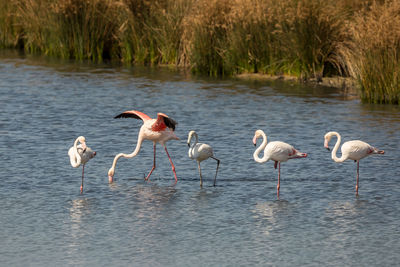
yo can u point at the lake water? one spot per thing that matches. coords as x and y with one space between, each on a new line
318 221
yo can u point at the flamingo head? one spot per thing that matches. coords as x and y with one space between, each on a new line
82 141
111 175
327 138
257 135
190 135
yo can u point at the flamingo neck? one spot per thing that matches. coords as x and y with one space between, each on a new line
194 134
191 149
336 147
75 158
131 155
259 149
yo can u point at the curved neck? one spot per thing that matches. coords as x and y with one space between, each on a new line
259 149
336 147
133 154
195 141
75 158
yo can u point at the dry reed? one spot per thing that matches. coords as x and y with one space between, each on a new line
304 38
372 53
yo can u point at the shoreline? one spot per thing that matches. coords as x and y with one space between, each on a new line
346 84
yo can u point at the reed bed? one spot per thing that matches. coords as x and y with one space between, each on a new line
302 38
372 52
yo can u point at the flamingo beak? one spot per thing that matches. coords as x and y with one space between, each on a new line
255 140
326 145
188 144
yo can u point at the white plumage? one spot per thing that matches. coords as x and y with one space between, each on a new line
200 152
277 151
354 150
80 155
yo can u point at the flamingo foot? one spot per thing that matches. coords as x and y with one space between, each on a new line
81 189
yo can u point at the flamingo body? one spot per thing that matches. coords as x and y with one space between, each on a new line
80 155
200 152
158 130
277 151
353 150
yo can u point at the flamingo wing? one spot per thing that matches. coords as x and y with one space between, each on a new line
133 114
164 119
280 151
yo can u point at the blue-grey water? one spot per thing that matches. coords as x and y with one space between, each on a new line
318 221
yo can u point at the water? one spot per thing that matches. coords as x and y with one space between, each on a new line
317 222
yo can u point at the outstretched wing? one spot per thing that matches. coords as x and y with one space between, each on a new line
170 123
133 114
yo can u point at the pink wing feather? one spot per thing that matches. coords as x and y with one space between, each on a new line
133 114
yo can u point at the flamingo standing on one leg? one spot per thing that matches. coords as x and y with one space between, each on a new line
80 155
157 130
200 152
354 150
276 151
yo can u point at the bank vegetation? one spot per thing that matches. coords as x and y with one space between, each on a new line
308 39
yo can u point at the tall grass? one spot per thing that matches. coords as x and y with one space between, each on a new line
252 39
304 38
309 33
152 31
372 54
71 28
9 29
205 37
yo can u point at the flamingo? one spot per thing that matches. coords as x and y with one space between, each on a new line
157 130
200 152
354 150
80 155
276 151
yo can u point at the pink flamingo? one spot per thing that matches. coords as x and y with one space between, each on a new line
354 150
80 155
276 151
157 130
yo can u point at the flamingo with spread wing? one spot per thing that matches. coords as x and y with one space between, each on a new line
158 130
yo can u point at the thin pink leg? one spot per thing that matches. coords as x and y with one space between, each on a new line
83 170
279 179
172 164
358 174
154 163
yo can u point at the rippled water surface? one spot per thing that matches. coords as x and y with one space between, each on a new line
318 221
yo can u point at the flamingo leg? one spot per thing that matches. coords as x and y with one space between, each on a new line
154 163
358 174
215 178
83 170
279 179
201 177
172 164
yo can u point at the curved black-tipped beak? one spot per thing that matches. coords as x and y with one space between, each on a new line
328 148
188 145
255 144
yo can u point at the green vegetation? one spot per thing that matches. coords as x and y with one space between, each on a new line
302 38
